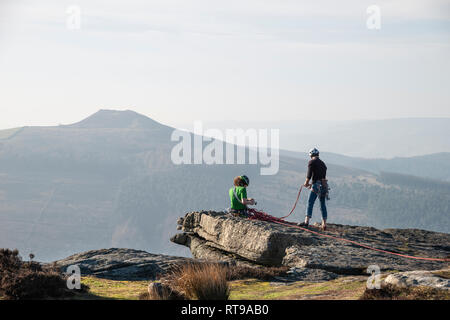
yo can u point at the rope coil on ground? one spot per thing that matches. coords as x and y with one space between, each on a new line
263 216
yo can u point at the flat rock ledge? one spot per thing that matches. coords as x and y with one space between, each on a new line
218 236
434 279
121 264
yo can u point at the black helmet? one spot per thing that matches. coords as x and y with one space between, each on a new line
245 179
313 152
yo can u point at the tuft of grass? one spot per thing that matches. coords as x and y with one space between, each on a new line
206 280
199 281
391 292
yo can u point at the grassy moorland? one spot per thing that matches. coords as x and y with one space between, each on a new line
347 288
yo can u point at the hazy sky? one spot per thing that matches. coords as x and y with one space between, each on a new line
181 60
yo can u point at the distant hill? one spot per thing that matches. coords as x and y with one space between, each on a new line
108 181
113 119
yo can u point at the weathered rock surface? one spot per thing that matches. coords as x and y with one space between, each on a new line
420 278
310 275
163 292
219 236
121 264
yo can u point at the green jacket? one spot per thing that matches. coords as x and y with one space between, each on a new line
241 193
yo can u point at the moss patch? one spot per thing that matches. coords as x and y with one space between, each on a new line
347 288
100 288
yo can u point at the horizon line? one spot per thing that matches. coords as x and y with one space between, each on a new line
238 121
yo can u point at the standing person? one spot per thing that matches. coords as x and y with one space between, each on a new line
317 171
238 197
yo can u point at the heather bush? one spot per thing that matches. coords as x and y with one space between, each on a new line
29 280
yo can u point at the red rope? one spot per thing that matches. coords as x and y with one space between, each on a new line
295 204
263 216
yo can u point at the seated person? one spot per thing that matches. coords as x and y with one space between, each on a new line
238 197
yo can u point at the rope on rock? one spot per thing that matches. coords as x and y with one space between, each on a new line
263 216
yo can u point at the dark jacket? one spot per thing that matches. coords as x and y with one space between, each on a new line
317 170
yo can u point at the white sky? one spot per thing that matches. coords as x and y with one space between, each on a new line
181 60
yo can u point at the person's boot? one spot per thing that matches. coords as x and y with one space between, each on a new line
305 223
324 225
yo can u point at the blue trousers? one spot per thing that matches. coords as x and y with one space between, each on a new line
317 190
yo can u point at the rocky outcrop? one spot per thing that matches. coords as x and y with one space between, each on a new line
433 279
121 264
219 236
